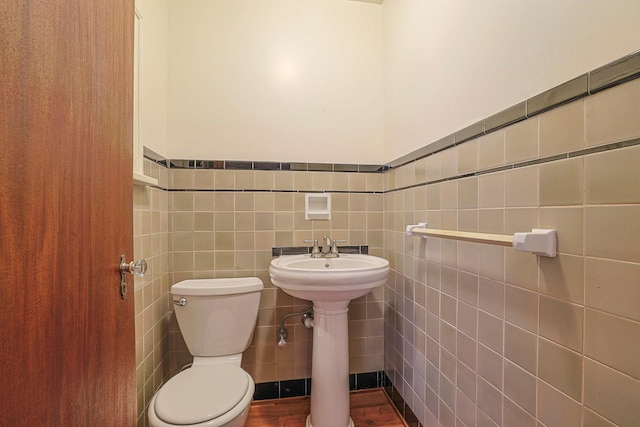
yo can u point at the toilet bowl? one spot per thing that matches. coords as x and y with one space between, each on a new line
212 396
217 318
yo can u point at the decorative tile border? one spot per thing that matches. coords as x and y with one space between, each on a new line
578 153
262 166
302 387
303 250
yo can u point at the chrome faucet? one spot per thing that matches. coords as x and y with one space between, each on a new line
329 248
326 245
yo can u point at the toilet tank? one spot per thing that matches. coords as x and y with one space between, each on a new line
220 314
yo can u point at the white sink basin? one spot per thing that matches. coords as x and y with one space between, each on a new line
344 278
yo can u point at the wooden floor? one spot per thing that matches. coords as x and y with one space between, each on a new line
369 408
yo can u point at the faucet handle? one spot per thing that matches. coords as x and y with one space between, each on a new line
316 249
334 246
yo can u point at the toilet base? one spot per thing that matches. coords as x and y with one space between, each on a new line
308 423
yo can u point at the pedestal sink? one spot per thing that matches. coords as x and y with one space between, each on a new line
330 283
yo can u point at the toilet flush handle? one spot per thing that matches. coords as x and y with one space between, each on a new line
181 302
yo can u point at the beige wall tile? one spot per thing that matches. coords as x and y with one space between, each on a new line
521 141
561 322
560 367
283 180
520 219
321 181
182 221
484 420
357 182
489 401
465 408
244 179
204 179
562 277
521 308
449 162
468 193
466 350
203 201
613 232
562 129
302 181
521 347
491 221
433 196
244 201
611 177
491 262
568 222
521 187
433 167
448 195
224 179
561 182
513 415
468 157
612 286
375 181
520 387
409 172
491 190
467 319
182 201
420 170
613 341
612 115
182 178
491 297
468 220
557 410
490 366
591 419
521 269
203 221
491 150
224 202
611 394
491 332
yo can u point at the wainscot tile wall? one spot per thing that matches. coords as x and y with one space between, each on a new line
229 219
467 334
153 314
481 335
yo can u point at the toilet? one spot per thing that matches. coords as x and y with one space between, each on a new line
217 318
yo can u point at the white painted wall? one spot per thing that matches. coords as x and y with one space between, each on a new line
450 63
275 80
153 74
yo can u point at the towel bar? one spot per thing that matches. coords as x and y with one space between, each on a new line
538 241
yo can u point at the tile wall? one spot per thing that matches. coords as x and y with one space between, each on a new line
202 223
153 318
480 335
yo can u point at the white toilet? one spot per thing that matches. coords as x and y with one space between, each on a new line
217 318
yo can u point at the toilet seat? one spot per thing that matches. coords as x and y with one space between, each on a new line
201 394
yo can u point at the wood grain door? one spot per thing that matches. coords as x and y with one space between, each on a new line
67 349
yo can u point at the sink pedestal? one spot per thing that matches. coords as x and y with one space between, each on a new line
330 366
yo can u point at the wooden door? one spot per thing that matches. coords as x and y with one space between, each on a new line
67 349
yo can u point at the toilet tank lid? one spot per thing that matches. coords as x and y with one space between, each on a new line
228 286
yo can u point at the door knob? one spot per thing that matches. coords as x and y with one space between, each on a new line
138 268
